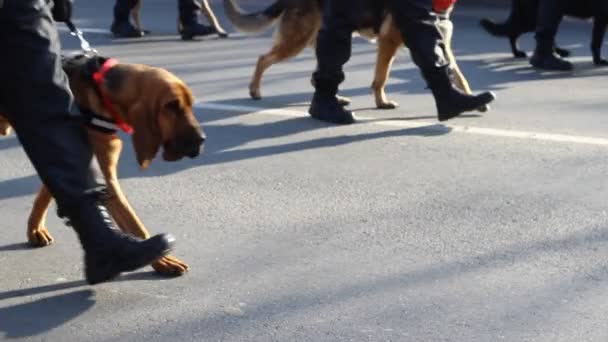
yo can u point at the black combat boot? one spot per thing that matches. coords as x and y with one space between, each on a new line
545 58
328 108
121 27
449 100
125 30
189 31
109 252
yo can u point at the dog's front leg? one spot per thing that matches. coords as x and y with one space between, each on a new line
37 233
107 150
597 40
208 12
389 41
5 126
125 217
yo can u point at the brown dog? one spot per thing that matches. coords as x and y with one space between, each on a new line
299 23
157 104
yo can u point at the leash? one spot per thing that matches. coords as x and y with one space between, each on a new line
84 44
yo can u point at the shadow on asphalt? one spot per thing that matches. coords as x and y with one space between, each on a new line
224 140
20 246
41 315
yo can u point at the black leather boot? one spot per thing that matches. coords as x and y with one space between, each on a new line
188 32
449 100
109 252
327 108
545 58
125 30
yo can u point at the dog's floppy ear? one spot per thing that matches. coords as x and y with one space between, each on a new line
146 136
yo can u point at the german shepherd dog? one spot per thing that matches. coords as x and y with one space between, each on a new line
299 22
523 17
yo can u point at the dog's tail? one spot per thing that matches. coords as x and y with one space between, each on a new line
495 29
253 22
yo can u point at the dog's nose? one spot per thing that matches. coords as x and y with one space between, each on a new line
195 152
202 138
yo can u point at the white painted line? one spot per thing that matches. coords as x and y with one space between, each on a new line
495 132
85 30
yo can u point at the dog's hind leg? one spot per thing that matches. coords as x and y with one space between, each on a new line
389 42
291 38
37 233
107 150
517 52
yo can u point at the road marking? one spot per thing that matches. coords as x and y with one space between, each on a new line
85 30
429 125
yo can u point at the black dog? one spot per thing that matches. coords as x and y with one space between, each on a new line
522 19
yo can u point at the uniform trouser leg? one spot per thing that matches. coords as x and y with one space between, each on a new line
188 11
122 9
550 15
38 101
418 25
333 48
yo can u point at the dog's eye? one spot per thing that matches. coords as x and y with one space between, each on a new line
173 106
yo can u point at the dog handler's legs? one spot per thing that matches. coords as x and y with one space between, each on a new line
333 49
550 15
418 27
121 26
189 27
38 104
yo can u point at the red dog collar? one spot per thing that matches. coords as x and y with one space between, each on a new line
98 77
442 5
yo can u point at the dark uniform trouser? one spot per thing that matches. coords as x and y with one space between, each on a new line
36 100
550 15
188 10
414 19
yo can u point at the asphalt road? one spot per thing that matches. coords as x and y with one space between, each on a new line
489 228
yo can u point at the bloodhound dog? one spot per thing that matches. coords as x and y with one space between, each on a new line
300 21
156 104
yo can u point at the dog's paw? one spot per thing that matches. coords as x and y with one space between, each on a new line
255 94
520 54
170 266
343 100
387 105
4 131
39 237
562 52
